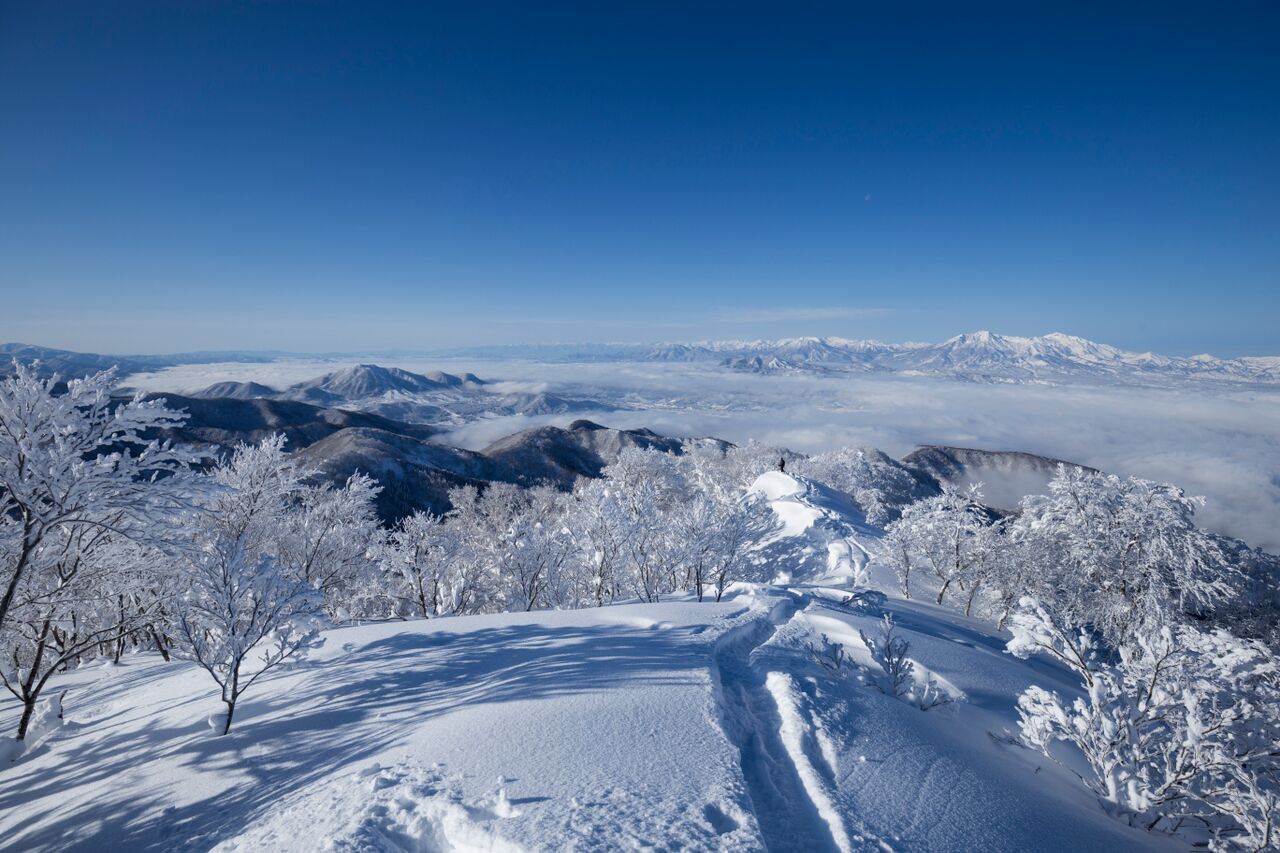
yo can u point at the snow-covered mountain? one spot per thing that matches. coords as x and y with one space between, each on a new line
992 356
978 355
364 381
982 355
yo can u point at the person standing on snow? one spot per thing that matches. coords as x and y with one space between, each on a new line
782 465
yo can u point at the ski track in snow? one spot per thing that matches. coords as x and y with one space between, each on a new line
785 762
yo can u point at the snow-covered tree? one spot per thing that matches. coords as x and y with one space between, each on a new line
712 534
241 617
75 460
260 484
599 530
897 549
650 489
418 565
948 534
1174 723
91 604
539 551
485 522
1123 555
328 539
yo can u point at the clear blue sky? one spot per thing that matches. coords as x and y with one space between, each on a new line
361 175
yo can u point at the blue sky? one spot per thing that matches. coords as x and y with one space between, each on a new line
354 176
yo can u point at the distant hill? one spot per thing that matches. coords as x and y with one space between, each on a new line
72 365
221 423
583 449
414 472
1006 475
236 391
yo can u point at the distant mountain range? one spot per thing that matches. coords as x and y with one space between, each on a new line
415 472
75 364
982 356
978 356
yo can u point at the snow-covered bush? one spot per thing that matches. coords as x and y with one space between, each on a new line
891 652
831 656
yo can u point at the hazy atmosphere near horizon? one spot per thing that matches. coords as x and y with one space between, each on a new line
748 427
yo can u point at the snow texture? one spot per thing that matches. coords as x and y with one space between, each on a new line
671 726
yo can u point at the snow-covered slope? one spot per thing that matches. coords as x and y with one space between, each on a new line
816 533
670 726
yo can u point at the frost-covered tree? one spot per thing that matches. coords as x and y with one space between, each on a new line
485 522
897 550
947 533
328 539
321 534
260 484
881 486
90 604
650 489
1174 723
242 616
418 565
1122 555
712 534
599 530
73 459
540 549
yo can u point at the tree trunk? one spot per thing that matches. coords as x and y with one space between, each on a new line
160 645
28 708
120 639
942 592
231 710
31 688
968 607
19 566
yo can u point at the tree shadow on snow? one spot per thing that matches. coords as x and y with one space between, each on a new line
287 742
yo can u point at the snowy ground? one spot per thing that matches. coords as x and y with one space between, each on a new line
671 726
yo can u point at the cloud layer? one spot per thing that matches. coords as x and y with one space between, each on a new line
1216 441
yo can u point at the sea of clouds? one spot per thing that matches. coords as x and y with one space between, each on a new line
1217 440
